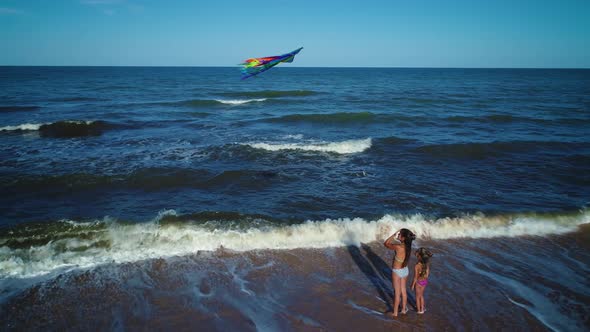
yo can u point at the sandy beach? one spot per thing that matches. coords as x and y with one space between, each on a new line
484 285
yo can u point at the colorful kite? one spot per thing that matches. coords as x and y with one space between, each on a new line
255 66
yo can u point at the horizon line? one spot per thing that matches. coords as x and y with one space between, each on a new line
335 67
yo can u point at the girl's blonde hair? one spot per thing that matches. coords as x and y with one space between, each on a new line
424 260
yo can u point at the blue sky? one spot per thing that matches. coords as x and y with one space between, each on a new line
368 33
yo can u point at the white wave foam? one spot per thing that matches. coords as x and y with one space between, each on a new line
239 101
134 242
344 147
25 126
37 126
294 137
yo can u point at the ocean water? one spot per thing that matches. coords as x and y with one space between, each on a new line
115 167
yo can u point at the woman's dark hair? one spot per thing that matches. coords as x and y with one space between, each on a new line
408 238
424 259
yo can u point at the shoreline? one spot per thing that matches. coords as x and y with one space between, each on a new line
483 284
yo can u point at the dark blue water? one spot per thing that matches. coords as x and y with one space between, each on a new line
293 144
185 195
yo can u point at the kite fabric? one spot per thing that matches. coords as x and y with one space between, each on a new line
255 66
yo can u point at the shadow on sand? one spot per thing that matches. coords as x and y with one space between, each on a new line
378 272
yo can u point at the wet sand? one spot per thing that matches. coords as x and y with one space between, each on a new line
524 284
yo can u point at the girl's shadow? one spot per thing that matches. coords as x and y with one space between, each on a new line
378 272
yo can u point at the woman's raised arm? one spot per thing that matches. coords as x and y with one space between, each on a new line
392 242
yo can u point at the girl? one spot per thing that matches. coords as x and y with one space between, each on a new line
421 272
401 242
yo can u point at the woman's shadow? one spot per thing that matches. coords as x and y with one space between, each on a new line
378 273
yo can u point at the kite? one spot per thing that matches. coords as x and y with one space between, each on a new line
255 66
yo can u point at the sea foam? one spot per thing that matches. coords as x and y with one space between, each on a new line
24 127
79 245
239 101
343 147
37 126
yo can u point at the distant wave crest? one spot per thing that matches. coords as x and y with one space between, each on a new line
343 147
205 103
23 127
239 101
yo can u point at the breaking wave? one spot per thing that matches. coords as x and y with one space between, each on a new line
239 101
206 103
32 250
23 127
343 147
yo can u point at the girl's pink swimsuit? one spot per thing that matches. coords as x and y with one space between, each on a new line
422 282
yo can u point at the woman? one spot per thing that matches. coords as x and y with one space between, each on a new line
401 242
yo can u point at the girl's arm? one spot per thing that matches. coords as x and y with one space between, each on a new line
392 242
415 276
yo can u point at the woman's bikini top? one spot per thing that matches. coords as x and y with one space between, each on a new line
399 260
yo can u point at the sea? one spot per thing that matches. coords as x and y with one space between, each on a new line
137 198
